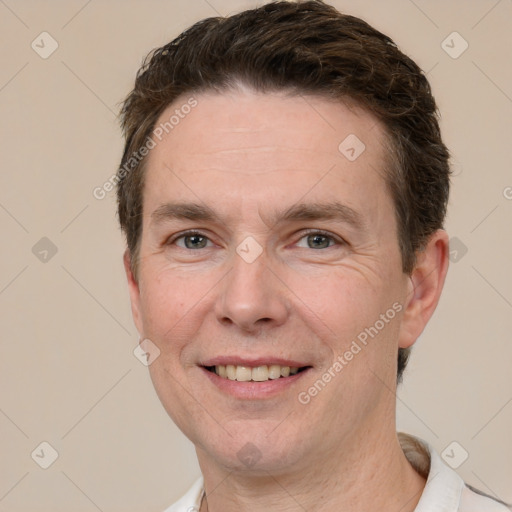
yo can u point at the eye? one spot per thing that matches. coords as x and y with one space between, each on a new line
318 240
191 240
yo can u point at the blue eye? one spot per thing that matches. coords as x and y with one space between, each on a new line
317 240
192 240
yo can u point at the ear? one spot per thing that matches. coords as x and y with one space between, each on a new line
133 287
425 286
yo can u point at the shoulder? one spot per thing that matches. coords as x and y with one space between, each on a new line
445 491
473 501
191 501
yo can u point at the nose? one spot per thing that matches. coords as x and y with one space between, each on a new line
252 296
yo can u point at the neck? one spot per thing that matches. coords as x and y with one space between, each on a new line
373 475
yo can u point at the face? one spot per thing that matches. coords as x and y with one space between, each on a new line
269 255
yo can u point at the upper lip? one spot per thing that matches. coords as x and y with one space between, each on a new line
252 361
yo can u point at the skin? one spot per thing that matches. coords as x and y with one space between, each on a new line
249 156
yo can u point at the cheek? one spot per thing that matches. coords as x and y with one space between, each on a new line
341 299
330 307
343 306
171 305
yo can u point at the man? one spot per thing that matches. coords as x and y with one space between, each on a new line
283 190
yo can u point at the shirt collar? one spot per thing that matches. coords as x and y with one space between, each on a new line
441 493
444 486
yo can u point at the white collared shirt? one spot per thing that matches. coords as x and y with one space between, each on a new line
444 491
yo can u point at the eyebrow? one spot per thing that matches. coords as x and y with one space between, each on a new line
298 212
183 211
333 210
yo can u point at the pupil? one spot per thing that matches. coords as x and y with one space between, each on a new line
318 241
195 241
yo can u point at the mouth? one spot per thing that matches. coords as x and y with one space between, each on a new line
254 378
261 373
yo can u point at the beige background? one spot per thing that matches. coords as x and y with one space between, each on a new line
67 372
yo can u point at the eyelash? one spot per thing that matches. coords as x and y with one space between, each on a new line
335 239
185 234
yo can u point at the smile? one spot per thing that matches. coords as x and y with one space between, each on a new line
255 374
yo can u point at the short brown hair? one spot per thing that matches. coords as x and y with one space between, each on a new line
304 47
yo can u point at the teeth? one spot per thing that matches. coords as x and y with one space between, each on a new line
260 373
230 372
243 374
274 371
257 374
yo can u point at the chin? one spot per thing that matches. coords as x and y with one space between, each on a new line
252 451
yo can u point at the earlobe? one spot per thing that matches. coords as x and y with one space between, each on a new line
425 286
133 287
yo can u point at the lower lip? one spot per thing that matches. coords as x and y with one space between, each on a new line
254 390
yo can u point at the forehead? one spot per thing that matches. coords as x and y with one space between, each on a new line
300 122
252 148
